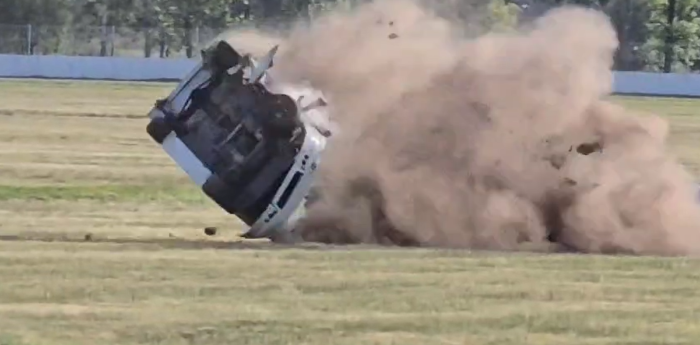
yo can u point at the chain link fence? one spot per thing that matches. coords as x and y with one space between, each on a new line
105 40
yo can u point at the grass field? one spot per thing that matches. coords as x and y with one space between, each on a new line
75 159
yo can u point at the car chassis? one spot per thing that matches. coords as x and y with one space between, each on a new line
247 141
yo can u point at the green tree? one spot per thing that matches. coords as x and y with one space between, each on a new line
674 35
147 19
629 17
501 15
186 15
23 18
99 20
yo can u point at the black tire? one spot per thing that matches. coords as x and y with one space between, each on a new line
158 129
282 116
225 56
216 189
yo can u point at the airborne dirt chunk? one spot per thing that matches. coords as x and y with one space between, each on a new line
210 231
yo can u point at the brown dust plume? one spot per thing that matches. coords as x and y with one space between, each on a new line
502 142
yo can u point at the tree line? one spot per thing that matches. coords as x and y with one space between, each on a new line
655 35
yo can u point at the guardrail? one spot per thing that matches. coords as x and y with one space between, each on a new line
657 84
93 67
156 69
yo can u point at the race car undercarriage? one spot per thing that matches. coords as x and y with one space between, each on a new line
244 145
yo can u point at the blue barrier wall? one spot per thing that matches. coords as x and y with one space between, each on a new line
153 69
93 67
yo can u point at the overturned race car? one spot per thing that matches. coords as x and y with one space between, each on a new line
250 143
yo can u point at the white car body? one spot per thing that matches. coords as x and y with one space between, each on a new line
287 206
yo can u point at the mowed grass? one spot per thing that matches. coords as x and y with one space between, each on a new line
75 159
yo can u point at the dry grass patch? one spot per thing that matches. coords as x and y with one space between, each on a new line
63 293
76 159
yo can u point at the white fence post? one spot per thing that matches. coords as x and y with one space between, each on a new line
29 39
196 35
112 35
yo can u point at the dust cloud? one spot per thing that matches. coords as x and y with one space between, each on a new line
503 141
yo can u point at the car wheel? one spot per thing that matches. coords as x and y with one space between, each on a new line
158 129
217 190
283 116
224 56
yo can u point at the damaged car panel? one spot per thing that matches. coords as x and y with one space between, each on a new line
248 148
